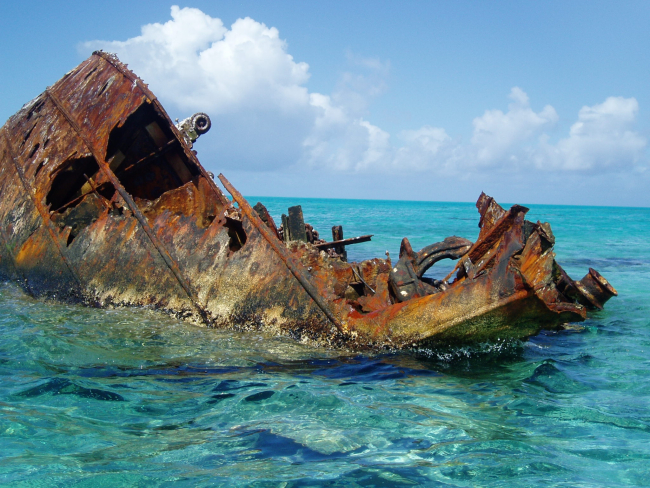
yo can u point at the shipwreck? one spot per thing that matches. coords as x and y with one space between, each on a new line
104 202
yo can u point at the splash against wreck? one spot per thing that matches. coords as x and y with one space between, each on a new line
104 202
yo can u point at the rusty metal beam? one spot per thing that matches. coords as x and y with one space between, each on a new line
294 267
344 242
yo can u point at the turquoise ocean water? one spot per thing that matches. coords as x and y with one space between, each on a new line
130 397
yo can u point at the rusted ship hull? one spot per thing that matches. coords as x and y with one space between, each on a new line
104 202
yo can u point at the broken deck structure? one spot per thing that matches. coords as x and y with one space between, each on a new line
104 202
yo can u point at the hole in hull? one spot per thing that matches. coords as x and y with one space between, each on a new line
74 201
27 134
236 234
69 183
35 109
104 88
39 168
34 149
146 157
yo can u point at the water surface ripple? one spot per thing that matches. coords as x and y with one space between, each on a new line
134 398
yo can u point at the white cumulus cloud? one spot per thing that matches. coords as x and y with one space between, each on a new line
195 62
601 139
429 148
498 136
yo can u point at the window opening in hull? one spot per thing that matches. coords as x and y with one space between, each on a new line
146 157
74 200
236 234
71 182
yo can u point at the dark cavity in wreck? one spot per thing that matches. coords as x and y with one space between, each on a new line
104 202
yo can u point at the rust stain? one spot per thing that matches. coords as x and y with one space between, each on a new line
105 203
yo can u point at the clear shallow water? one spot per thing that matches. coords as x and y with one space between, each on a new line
134 398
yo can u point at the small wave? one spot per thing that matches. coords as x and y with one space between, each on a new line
451 354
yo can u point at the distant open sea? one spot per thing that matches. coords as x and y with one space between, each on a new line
130 397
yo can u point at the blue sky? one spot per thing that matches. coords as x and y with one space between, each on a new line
534 102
